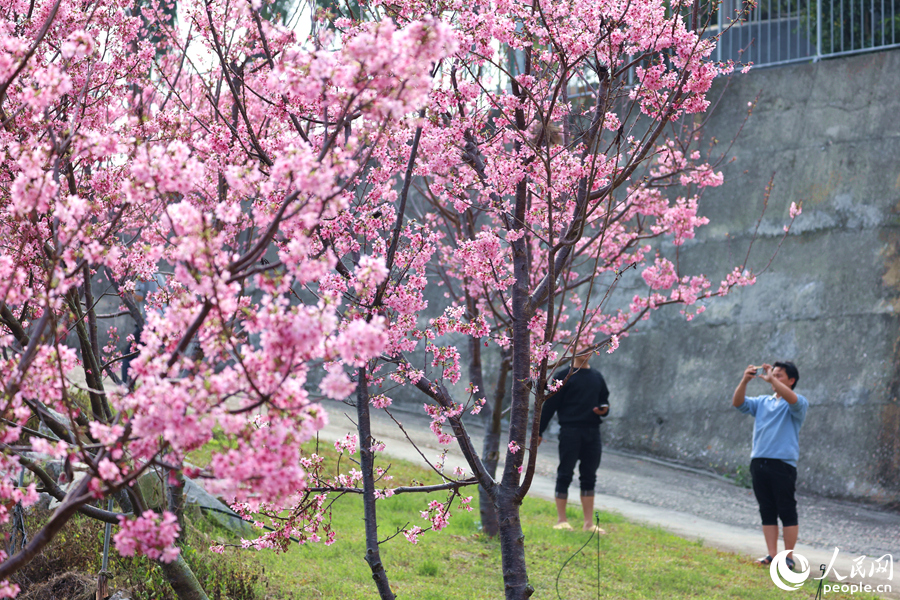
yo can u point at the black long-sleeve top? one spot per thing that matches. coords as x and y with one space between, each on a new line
575 401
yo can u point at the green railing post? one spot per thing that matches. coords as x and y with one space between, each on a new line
818 30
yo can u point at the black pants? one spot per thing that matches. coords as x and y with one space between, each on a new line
774 483
581 445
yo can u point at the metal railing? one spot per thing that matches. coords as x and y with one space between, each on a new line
777 32
769 33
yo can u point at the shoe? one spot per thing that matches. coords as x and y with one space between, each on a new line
766 560
563 526
596 529
789 562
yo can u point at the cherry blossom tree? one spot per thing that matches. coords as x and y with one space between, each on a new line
130 157
521 224
267 198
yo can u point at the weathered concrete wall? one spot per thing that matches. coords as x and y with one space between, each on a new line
829 301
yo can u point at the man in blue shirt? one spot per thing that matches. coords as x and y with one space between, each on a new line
776 448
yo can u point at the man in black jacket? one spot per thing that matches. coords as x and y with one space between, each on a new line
580 403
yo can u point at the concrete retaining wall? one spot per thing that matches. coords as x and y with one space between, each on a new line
830 132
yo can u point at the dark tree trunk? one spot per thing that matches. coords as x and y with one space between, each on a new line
512 540
491 436
180 576
512 546
508 496
175 493
178 572
490 451
489 523
366 462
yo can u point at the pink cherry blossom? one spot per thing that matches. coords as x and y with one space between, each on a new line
349 443
613 344
337 385
412 534
150 534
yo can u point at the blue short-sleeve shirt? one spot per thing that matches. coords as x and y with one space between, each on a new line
776 432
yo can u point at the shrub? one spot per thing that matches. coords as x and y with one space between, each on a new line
70 563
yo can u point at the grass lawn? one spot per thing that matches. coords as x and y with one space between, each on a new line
632 562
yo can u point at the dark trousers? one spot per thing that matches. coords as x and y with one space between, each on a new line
578 445
774 483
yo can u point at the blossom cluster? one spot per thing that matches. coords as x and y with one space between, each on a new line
150 534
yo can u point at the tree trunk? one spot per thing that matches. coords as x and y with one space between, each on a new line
366 463
490 451
178 572
512 546
512 540
180 576
175 493
508 497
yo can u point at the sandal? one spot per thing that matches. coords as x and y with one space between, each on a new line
766 560
595 529
789 562
563 526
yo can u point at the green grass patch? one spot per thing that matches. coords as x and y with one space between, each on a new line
632 562
459 563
